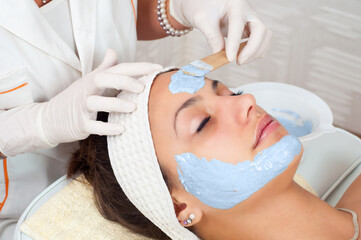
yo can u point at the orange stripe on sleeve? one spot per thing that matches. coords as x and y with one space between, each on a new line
135 16
6 176
22 85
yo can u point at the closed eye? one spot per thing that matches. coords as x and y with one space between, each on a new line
203 124
237 93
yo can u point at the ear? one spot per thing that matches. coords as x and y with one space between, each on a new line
188 211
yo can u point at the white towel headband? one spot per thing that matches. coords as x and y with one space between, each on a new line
135 165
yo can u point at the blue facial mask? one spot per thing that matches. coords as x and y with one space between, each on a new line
189 78
223 185
293 122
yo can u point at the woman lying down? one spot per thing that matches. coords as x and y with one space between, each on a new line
208 165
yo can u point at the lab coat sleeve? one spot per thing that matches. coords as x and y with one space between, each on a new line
20 130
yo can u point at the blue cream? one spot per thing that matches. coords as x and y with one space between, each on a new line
223 185
189 78
293 123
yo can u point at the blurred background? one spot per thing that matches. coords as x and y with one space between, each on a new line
316 45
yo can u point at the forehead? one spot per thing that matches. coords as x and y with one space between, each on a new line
163 102
160 86
161 99
160 92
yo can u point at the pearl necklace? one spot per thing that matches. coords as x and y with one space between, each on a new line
164 22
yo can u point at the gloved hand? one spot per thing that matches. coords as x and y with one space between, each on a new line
217 19
71 115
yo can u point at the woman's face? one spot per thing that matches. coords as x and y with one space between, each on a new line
213 123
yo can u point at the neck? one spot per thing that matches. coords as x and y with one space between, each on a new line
293 214
40 3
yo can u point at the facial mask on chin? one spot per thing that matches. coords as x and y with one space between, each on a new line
223 185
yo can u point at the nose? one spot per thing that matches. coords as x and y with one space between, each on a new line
238 108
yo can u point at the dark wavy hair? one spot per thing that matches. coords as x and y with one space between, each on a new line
92 160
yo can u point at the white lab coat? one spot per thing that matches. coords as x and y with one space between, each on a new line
35 65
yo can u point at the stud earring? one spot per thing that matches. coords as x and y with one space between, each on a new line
189 220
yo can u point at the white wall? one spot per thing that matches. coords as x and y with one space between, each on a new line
316 45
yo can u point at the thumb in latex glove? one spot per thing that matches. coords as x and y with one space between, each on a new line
217 19
71 115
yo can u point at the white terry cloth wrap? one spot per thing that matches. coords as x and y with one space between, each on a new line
135 165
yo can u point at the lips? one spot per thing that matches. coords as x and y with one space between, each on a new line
265 127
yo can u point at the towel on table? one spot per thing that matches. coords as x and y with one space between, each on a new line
72 215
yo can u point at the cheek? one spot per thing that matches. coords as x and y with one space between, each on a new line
226 144
223 185
260 110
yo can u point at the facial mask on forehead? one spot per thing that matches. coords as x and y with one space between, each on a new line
189 78
223 185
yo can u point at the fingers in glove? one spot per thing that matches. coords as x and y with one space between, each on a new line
258 32
109 104
102 128
246 32
213 34
134 69
235 31
266 50
266 44
119 82
110 60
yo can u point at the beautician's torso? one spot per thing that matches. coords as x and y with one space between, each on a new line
36 58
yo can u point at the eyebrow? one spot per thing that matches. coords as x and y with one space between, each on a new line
186 104
191 101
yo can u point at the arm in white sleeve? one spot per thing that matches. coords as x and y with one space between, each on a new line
20 131
71 115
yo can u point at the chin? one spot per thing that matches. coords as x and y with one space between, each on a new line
275 137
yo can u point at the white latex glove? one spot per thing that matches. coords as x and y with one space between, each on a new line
71 115
217 19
